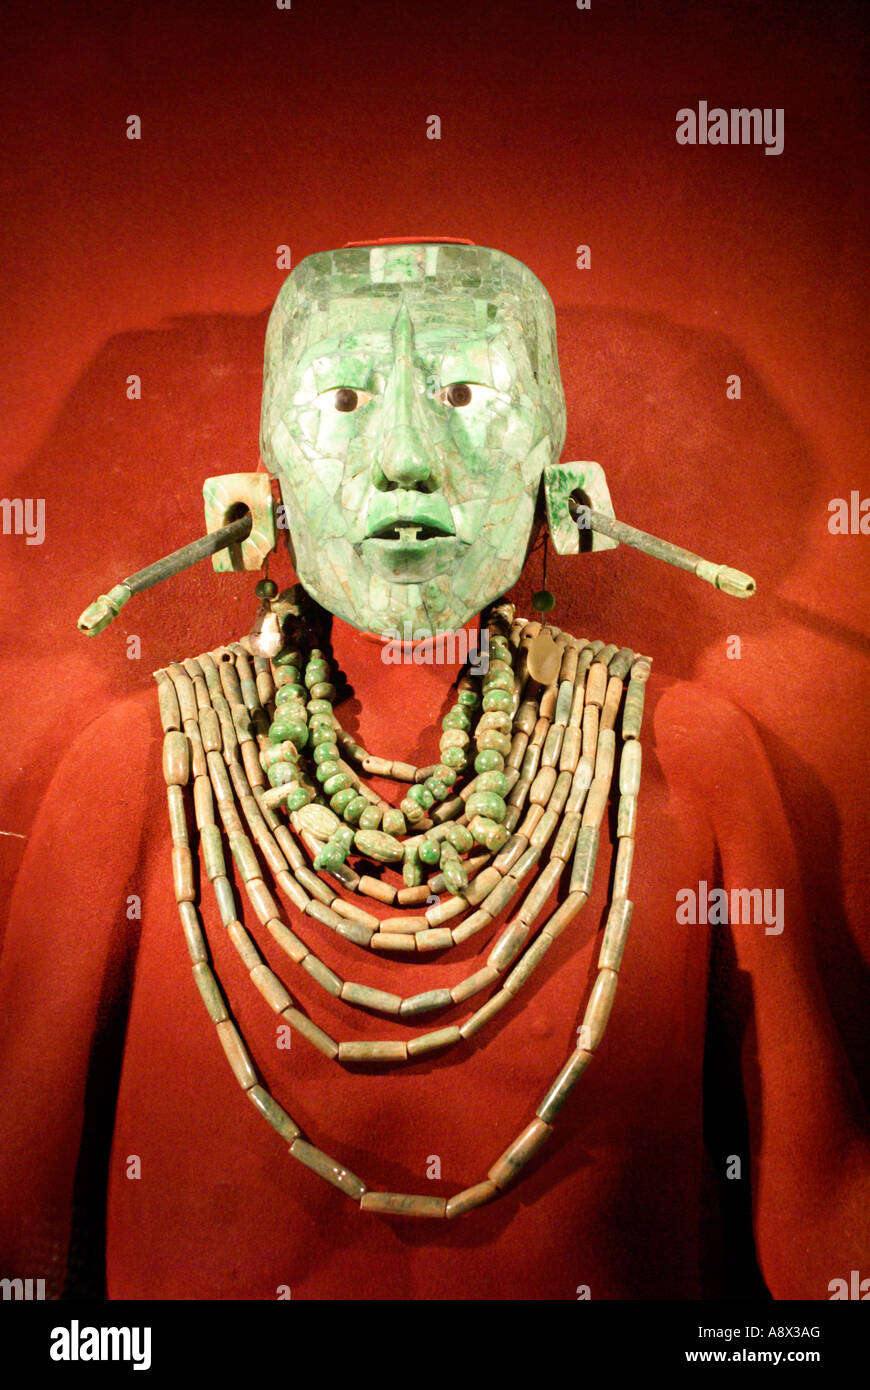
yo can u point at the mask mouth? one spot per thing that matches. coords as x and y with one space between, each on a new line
408 532
409 517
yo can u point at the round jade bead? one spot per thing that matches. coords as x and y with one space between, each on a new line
488 804
467 698
293 729
324 752
290 692
370 818
491 738
280 774
488 760
460 837
316 671
439 790
342 799
336 783
322 690
492 782
453 738
319 707
331 768
445 774
455 876
498 664
498 680
495 719
454 757
419 794
279 752
456 719
354 809
411 810
430 851
332 856
298 798
497 699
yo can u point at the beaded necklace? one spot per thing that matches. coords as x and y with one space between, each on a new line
264 737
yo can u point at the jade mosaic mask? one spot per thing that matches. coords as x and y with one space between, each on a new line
411 402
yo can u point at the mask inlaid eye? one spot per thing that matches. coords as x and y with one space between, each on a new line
462 393
344 398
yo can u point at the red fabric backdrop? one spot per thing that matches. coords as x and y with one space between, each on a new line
157 257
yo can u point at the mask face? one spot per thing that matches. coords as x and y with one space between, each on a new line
411 402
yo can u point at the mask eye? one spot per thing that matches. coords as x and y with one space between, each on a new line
345 398
462 393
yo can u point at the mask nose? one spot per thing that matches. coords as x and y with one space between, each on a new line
406 457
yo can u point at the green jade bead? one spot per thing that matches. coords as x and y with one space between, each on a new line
292 729
380 846
370 818
456 719
487 804
412 869
325 752
336 783
468 699
319 707
299 797
323 690
354 809
330 768
492 782
455 876
459 837
394 821
289 692
454 757
419 794
491 738
315 673
430 851
497 680
488 760
279 774
438 790
340 800
332 856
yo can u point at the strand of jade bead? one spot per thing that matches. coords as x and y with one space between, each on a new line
509 1165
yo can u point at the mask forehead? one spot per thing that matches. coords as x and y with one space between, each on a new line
397 326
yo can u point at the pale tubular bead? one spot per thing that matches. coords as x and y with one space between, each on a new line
605 654
274 1114
310 1031
511 819
190 925
530 821
245 858
626 816
182 874
353 931
402 925
212 851
539 733
563 845
176 758
328 1168
527 963
237 1054
324 914
435 939
568 669
427 1001
271 988
198 765
564 701
520 790
256 775
605 754
547 707
514 760
640 670
311 843
598 1009
183 689
315 887
203 802
590 730
563 1084
332 983
473 983
366 997
374 888
210 731
448 810
620 664
288 941
615 934
473 924
552 746
596 684
403 1204
295 857
578 704
261 900
470 1198
431 1042
629 768
487 1011
413 897
585 855
232 821
529 769
560 793
507 857
496 901
515 1157
596 802
357 914
392 941
580 784
527 860
526 717
177 816
508 945
632 714
265 688
209 989
482 885
294 890
443 912
622 870
544 885
220 778
569 755
612 699
542 786
374 1050
170 713
225 899
543 830
248 953
564 914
